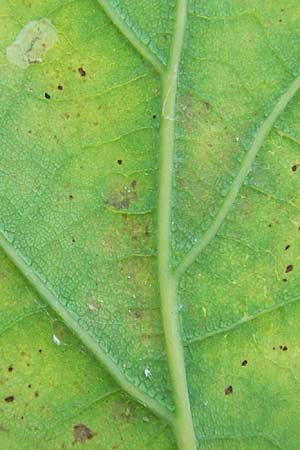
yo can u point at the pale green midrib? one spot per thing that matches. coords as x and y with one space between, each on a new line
261 134
183 426
70 321
120 23
241 322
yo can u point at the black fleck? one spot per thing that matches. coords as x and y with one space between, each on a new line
47 95
289 268
244 363
228 390
9 399
82 72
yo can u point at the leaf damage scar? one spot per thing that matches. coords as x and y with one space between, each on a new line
32 43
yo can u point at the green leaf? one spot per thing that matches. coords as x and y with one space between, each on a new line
149 195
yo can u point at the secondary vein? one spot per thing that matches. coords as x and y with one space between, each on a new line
131 36
70 321
261 134
183 426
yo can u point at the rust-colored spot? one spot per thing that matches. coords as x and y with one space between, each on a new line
82 433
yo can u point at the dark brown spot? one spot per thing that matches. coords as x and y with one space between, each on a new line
9 399
283 348
60 87
120 162
244 363
29 386
287 247
82 433
10 368
228 390
82 72
294 167
47 95
36 394
289 268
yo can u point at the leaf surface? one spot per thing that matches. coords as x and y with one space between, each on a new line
149 193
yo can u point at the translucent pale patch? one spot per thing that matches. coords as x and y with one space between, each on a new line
31 44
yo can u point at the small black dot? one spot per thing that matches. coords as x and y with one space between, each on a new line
289 268
228 390
10 369
154 116
40 350
244 363
120 162
29 386
284 279
60 87
82 72
287 247
9 399
71 197
294 167
47 95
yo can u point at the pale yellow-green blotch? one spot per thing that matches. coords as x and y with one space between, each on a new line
31 44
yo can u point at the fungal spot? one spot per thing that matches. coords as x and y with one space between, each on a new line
82 433
47 95
40 350
71 197
244 363
289 268
60 87
287 247
283 348
9 399
154 116
294 167
82 72
29 386
284 280
32 43
36 394
10 369
228 390
120 162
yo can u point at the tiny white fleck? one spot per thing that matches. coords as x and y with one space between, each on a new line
148 372
92 307
237 139
55 340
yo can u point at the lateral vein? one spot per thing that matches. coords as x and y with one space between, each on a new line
261 134
70 321
130 35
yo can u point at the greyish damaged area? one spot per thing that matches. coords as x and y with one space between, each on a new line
32 43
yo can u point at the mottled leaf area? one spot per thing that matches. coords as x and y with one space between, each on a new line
80 158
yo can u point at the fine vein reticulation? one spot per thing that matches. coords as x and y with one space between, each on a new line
181 421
